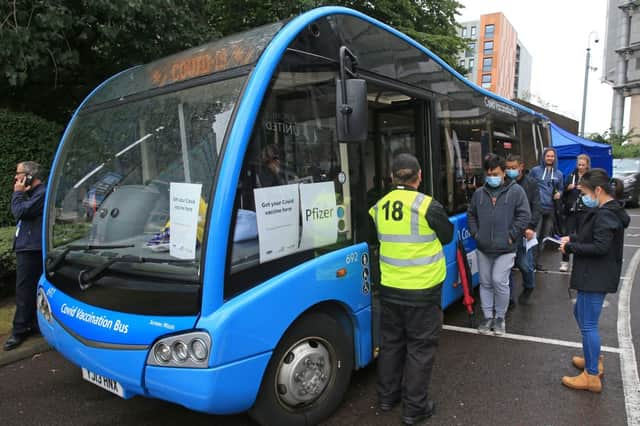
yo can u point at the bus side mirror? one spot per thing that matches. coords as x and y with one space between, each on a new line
351 110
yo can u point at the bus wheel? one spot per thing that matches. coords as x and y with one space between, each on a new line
308 374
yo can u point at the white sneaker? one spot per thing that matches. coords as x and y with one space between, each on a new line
564 266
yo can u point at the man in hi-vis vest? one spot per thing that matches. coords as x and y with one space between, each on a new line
412 228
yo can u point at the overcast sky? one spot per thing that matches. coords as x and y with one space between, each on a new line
556 32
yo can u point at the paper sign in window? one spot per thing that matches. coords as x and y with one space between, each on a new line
319 219
277 214
183 210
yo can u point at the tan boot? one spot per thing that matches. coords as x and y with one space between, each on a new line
578 362
583 381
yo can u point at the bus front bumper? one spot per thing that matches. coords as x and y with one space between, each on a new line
225 389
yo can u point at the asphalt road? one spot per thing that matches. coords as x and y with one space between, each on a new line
477 380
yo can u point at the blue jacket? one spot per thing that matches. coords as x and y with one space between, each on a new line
497 228
549 181
27 208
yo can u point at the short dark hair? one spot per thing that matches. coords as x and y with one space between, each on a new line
491 161
599 177
514 157
405 168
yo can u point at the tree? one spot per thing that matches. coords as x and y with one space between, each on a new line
53 52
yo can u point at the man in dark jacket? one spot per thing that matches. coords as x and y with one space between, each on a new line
550 185
27 204
524 257
498 215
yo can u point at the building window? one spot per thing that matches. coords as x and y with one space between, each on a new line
489 30
464 32
462 62
488 48
473 31
471 64
486 81
487 64
471 49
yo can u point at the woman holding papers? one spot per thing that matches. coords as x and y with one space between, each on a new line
573 206
597 250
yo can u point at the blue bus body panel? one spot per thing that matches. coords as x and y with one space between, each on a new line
254 322
105 326
450 294
228 389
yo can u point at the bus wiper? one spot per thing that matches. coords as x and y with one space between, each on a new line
86 278
54 263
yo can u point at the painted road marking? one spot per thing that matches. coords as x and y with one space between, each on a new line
632 245
628 365
569 273
525 338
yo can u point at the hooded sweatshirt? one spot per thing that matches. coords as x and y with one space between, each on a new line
550 180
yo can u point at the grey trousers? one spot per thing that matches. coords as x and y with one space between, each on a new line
494 270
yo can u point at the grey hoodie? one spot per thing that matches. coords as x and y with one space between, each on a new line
493 225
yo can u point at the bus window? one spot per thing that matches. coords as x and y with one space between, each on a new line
295 179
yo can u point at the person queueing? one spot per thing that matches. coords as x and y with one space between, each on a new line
550 183
524 257
597 261
573 207
27 206
412 228
498 215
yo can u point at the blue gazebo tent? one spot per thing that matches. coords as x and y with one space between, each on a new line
569 146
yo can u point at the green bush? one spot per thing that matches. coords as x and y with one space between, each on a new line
23 137
627 151
7 257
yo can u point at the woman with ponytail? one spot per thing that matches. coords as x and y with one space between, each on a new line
597 260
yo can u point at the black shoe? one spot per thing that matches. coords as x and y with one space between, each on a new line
14 341
387 406
525 296
540 268
416 420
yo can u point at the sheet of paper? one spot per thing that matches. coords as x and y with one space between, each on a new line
319 219
277 215
529 244
183 211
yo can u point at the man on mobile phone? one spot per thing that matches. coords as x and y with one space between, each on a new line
27 205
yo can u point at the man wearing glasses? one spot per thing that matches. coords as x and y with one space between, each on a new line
27 205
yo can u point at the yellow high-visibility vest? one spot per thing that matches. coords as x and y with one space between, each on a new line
411 256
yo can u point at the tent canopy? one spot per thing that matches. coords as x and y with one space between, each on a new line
569 146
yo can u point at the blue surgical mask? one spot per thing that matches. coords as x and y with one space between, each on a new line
589 202
513 173
494 181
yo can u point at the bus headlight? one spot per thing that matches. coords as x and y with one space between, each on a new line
198 349
180 351
189 350
43 304
162 353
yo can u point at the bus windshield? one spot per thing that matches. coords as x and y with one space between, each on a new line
130 175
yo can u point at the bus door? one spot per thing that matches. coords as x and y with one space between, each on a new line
398 123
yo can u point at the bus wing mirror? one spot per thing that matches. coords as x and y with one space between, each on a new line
351 110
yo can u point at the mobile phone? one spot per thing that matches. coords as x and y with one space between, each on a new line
27 180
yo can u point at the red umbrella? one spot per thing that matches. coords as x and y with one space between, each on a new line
465 279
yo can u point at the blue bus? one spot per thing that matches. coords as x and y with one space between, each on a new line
206 232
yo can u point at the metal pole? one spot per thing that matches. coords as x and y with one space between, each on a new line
584 93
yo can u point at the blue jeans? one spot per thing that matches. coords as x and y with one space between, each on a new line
587 312
524 262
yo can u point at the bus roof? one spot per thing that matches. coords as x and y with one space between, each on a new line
380 49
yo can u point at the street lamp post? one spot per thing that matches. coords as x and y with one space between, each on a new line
586 80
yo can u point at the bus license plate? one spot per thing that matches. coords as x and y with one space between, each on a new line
103 382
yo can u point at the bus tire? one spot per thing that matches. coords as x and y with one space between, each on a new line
308 374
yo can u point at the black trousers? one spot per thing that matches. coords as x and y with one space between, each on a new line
408 342
28 271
